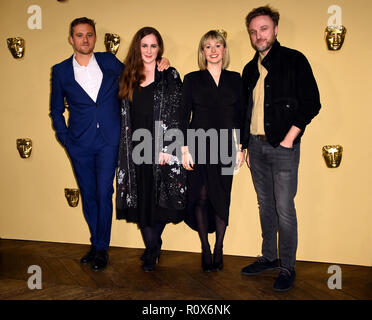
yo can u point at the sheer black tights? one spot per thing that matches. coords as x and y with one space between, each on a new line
201 212
152 235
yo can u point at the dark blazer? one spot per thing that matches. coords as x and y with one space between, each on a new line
291 93
84 112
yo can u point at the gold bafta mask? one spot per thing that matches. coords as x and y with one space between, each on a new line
16 46
72 196
222 32
24 147
112 42
335 36
332 155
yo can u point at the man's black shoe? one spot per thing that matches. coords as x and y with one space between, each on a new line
285 279
260 265
100 261
89 256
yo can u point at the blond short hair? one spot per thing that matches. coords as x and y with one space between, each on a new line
212 34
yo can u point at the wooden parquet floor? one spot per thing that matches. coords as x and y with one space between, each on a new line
178 277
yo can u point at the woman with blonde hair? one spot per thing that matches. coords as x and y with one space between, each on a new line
212 97
150 189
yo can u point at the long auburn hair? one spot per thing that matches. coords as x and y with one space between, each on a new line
133 74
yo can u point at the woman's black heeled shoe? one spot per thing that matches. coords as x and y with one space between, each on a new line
207 260
151 259
142 258
217 260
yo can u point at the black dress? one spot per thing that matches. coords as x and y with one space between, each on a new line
147 213
212 107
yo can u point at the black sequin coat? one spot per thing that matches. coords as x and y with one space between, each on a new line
170 179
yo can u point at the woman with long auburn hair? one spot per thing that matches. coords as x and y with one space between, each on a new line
151 182
133 74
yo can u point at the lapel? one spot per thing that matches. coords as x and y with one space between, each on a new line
104 85
70 76
210 79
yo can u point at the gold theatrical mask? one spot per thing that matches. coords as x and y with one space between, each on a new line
112 42
16 46
332 155
24 147
222 32
72 196
335 36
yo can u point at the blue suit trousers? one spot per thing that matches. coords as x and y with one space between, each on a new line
94 169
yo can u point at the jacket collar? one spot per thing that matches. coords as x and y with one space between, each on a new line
268 59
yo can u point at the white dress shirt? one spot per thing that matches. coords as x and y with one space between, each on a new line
89 77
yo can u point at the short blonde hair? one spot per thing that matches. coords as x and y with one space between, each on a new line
212 34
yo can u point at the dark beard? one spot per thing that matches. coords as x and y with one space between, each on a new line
269 44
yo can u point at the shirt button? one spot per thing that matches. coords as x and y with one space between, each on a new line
97 124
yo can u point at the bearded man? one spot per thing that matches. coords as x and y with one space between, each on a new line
281 98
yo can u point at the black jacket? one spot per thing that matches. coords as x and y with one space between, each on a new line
291 94
170 179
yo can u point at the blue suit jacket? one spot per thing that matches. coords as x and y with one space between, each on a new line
84 112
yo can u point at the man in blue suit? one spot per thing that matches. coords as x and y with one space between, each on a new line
88 82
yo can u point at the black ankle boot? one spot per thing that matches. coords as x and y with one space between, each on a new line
160 242
217 259
151 259
207 260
